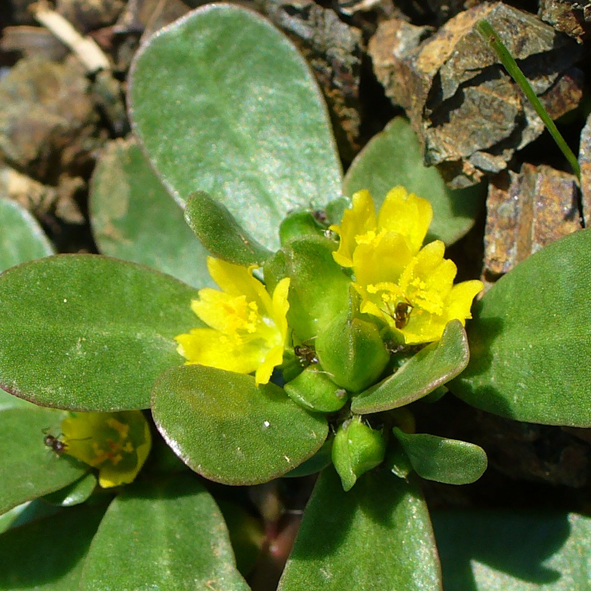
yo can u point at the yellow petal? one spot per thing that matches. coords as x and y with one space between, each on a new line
358 220
382 260
281 306
116 443
273 358
460 299
423 328
236 280
210 347
220 310
407 214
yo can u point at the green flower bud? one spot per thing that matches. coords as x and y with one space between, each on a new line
315 391
299 223
318 290
357 448
351 350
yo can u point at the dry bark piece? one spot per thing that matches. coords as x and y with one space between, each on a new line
525 212
48 124
468 113
334 51
585 164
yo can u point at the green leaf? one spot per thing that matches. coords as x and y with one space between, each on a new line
28 468
243 120
9 401
27 512
490 550
89 333
217 229
376 537
444 460
134 218
21 237
530 339
393 157
48 554
167 535
432 366
228 430
320 460
246 534
74 494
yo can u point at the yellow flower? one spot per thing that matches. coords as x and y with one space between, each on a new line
402 213
117 443
409 287
248 327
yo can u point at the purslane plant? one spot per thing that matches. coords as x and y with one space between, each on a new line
325 328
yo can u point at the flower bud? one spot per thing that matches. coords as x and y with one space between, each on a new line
299 223
315 391
351 350
357 448
318 290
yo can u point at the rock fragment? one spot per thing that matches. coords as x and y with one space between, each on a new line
525 212
468 113
48 123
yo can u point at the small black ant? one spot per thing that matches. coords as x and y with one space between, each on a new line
402 314
305 354
56 444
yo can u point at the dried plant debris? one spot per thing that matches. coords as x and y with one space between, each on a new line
33 41
585 164
89 15
566 16
48 123
42 200
467 111
527 211
334 50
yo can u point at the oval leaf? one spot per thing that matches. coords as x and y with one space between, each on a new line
89 333
21 237
490 550
432 366
29 468
444 460
178 541
217 229
9 401
243 121
74 494
224 427
394 157
134 218
48 554
375 537
530 339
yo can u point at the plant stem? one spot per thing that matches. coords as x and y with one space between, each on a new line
489 34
